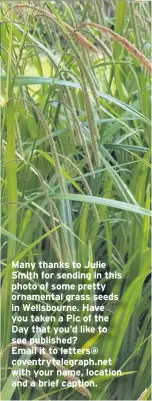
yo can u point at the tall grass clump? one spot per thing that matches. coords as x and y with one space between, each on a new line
76 130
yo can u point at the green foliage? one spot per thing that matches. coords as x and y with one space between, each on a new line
76 169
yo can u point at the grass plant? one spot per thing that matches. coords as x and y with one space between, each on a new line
75 96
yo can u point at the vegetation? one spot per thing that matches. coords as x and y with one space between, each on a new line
76 167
